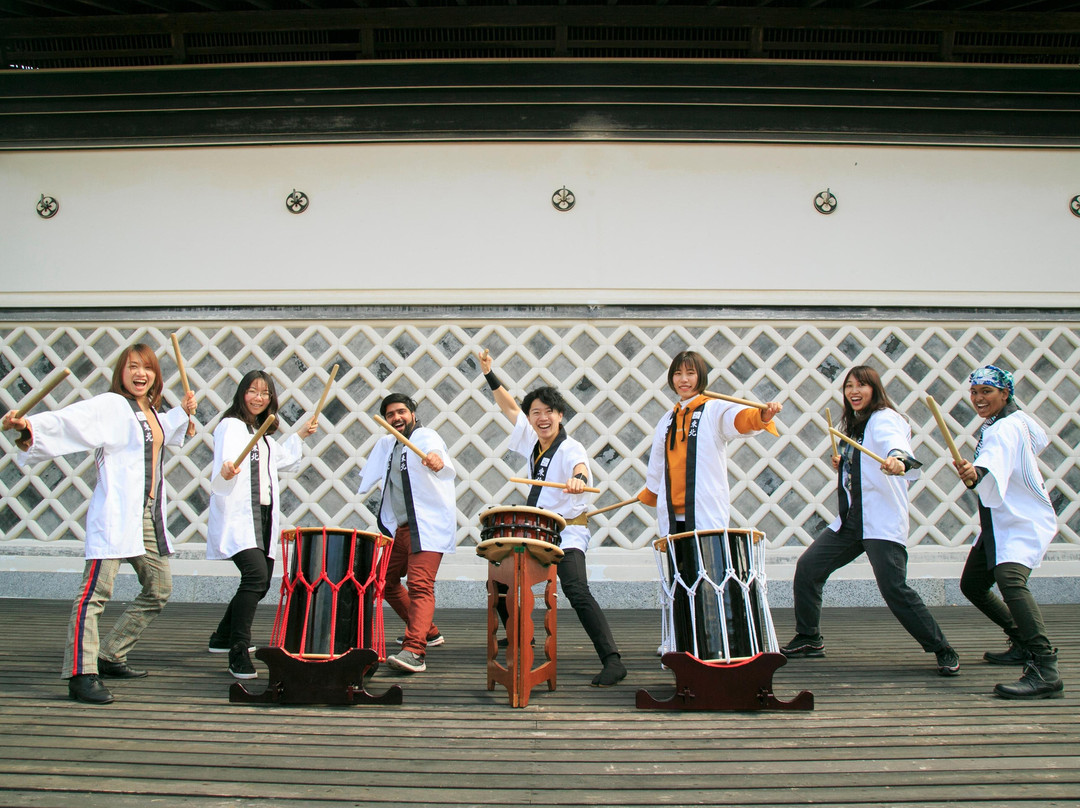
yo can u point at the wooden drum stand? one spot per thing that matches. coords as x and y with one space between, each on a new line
520 564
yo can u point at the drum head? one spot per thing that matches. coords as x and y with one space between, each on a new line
522 509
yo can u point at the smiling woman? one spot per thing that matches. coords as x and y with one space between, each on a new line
873 504
126 520
1017 524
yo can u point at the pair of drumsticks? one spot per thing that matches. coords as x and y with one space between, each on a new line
270 419
939 418
49 386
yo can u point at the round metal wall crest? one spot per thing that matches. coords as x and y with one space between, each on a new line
1074 205
296 202
47 207
563 199
825 202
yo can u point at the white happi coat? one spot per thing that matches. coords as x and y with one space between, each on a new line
712 496
433 503
1013 490
560 469
884 496
107 425
231 527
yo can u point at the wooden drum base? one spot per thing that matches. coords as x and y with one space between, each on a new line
744 685
295 680
520 564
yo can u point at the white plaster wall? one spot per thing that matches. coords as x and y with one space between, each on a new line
473 223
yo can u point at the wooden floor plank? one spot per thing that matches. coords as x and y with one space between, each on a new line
887 730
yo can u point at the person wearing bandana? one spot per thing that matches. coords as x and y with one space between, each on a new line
245 508
1017 524
873 504
539 436
687 477
126 518
419 511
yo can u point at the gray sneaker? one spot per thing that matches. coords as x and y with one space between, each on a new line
407 662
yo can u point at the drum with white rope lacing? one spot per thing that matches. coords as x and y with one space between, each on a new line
714 595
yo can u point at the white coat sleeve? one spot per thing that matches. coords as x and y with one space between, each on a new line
999 455
174 424
654 477
84 426
230 438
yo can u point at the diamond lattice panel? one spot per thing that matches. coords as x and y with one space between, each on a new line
613 378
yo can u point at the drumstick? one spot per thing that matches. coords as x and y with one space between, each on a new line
828 420
552 485
733 400
31 402
856 444
607 508
383 422
255 438
184 382
944 429
325 392
180 364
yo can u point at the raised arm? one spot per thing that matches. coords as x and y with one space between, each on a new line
503 398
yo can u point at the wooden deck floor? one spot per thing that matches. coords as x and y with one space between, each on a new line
887 730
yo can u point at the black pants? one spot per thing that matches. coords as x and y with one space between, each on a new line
256 570
575 585
1018 614
831 551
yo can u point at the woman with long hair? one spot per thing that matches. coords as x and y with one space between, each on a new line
873 504
126 519
245 508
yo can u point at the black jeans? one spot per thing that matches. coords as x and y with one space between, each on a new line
256 570
1018 614
575 585
831 551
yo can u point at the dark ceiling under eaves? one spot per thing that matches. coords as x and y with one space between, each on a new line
106 73
143 33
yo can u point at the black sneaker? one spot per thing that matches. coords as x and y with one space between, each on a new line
438 639
804 645
240 662
220 646
948 661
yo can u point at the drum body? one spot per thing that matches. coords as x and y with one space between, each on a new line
331 592
521 522
715 603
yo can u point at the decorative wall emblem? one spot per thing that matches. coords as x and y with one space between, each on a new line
825 202
47 207
563 199
296 202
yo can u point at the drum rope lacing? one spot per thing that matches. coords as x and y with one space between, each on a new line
755 576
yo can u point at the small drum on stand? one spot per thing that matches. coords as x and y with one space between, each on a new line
521 545
328 629
717 633
521 522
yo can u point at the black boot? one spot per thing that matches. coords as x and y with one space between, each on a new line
1040 680
87 687
1016 655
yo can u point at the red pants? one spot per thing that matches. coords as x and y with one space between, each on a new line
416 606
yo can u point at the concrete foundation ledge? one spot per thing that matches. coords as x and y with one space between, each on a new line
56 585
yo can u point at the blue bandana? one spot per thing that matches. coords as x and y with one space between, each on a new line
992 376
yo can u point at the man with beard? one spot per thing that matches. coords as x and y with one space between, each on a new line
419 511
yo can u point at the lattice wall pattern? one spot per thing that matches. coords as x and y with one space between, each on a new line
613 376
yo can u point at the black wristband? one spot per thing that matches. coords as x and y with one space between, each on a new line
492 380
582 477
